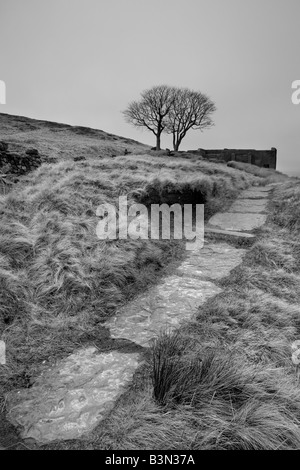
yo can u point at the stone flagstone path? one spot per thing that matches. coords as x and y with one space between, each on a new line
73 396
247 213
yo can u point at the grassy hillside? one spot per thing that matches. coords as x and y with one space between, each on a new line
58 281
61 141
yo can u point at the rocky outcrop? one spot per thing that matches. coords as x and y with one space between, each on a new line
16 163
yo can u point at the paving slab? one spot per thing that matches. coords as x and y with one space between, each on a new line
164 306
231 233
249 205
237 221
245 214
253 194
213 261
72 397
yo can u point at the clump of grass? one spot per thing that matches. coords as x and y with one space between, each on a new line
181 376
167 364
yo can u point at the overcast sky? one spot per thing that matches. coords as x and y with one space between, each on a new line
82 61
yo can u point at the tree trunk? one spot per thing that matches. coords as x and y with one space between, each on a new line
177 143
158 142
174 141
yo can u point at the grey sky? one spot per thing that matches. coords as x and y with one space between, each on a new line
82 61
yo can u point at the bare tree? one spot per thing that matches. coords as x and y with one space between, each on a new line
152 110
189 110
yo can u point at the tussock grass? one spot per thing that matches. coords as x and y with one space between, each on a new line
167 364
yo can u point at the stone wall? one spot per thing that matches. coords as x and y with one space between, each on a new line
262 158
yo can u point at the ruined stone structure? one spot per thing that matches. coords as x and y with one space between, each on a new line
263 158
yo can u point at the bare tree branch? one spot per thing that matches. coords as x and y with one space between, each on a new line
190 110
173 110
151 111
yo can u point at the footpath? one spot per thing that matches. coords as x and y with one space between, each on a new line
70 398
